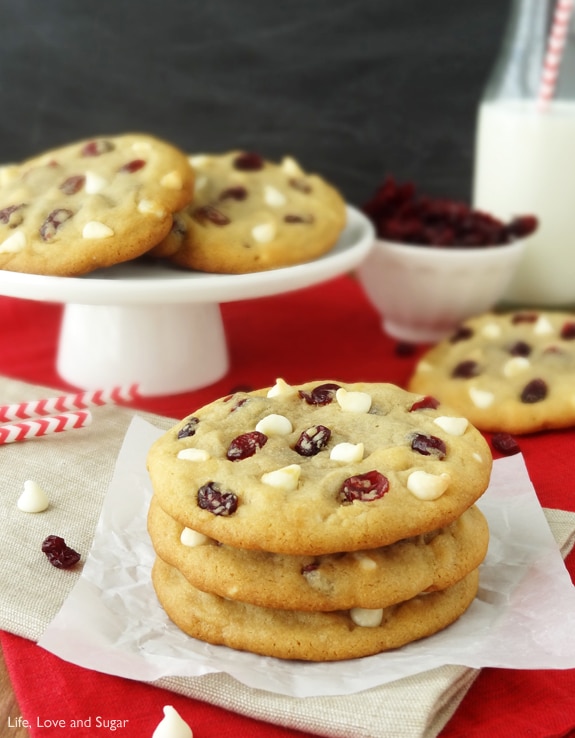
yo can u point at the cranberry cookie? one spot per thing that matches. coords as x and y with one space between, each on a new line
90 204
511 372
250 215
372 578
319 468
309 636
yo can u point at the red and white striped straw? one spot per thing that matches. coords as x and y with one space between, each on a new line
65 403
554 53
44 426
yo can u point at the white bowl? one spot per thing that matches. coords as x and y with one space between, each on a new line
424 292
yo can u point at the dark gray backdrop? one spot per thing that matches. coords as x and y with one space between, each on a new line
355 89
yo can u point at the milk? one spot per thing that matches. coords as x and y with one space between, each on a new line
525 165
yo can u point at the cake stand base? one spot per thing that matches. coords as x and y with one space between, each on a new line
164 349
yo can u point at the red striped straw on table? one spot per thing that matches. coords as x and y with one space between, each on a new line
554 53
66 403
26 429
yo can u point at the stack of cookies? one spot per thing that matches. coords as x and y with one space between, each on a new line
318 522
99 202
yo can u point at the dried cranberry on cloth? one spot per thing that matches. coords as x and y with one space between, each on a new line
327 330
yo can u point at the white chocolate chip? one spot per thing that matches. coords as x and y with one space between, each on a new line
491 330
193 454
366 618
281 388
33 499
353 402
172 181
451 425
542 326
273 197
291 167
481 398
192 538
199 160
150 207
426 486
424 366
8 173
516 365
264 232
172 725
14 243
200 183
365 562
141 146
94 183
478 457
286 478
347 452
275 425
94 229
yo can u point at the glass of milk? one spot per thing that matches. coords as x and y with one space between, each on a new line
525 148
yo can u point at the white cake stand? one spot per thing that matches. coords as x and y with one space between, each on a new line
161 327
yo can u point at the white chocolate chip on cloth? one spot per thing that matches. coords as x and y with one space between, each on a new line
249 215
508 372
286 493
90 204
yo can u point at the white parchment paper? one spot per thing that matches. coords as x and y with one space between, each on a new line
523 617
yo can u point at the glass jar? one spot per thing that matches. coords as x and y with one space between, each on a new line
525 147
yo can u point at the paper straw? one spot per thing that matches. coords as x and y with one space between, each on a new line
64 403
44 426
554 53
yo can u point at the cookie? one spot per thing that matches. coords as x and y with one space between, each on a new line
512 372
319 468
250 215
373 578
90 204
309 636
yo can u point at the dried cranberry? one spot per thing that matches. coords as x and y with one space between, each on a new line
323 394
534 391
568 330
301 185
73 184
403 348
520 348
313 440
399 214
299 218
249 162
466 369
53 222
505 444
426 403
524 318
211 498
463 333
133 166
7 213
211 214
364 487
189 428
309 568
234 193
428 445
239 403
246 445
59 554
97 148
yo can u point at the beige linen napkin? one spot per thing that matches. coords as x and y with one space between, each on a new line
75 469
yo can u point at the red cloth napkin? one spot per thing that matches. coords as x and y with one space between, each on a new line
324 332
